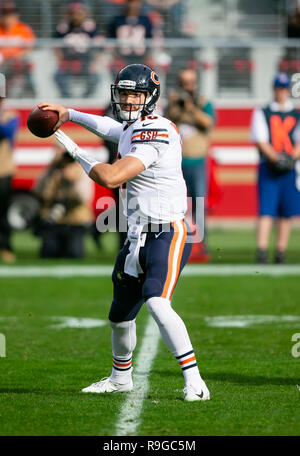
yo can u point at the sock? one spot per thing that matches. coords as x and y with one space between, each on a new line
122 369
187 362
123 344
175 336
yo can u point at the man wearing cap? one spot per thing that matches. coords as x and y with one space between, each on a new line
275 129
15 60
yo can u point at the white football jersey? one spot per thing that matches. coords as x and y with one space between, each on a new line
158 194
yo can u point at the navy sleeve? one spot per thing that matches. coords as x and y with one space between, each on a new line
9 129
149 27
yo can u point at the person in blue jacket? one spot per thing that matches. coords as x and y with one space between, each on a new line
9 123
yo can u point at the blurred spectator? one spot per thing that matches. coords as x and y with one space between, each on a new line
133 27
276 129
15 60
77 59
8 128
293 24
194 116
112 157
110 8
65 193
172 13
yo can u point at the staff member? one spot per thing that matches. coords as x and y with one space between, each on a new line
276 131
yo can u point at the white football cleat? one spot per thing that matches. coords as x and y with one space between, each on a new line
107 385
196 393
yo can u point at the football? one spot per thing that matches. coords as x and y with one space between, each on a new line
41 123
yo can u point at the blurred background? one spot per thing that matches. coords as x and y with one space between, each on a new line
69 52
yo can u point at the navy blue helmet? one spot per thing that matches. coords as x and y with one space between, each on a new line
139 78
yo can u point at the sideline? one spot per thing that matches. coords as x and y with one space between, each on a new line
189 270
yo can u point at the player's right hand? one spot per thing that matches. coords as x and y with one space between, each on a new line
61 110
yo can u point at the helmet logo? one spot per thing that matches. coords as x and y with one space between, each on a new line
155 78
126 84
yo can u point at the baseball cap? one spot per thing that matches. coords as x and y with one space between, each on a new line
8 8
281 80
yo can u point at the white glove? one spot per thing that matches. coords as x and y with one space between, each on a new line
67 142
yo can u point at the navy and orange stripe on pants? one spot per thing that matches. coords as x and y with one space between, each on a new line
162 259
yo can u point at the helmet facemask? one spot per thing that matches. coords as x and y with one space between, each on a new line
130 115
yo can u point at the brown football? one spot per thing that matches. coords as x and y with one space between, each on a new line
41 123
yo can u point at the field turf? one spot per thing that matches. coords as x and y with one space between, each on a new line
253 378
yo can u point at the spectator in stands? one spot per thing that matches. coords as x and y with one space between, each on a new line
276 129
172 13
112 157
9 122
66 214
110 8
293 24
194 116
134 27
15 61
77 59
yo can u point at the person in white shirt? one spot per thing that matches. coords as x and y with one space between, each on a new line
157 248
275 129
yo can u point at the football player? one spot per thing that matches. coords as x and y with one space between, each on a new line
149 264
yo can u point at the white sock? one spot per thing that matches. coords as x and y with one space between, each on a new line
123 344
175 336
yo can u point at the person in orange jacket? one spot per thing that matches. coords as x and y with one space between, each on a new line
15 57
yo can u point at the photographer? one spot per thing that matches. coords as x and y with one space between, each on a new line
65 194
194 117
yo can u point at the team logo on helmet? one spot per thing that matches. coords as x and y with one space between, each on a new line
154 78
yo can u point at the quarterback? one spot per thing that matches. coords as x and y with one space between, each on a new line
154 195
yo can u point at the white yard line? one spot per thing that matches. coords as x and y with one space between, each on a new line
189 270
129 418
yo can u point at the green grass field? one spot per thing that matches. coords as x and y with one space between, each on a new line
250 371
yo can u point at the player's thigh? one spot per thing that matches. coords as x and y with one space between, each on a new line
165 257
127 291
289 196
268 191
